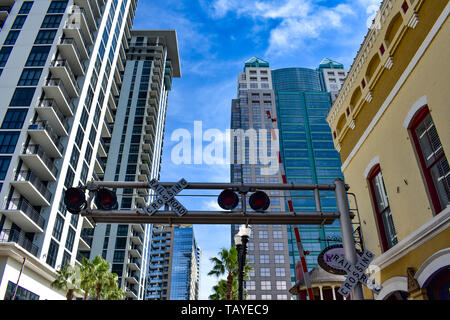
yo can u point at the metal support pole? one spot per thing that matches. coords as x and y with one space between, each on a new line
239 251
18 279
241 267
347 233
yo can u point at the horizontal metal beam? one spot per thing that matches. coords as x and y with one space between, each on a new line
211 217
92 185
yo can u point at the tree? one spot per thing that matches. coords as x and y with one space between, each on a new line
220 290
66 280
227 263
102 279
87 277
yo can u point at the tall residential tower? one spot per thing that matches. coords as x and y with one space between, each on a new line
60 66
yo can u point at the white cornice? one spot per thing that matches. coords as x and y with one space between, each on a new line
421 235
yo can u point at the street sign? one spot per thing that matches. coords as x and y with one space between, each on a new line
167 196
325 259
356 273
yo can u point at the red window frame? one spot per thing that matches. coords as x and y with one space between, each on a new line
417 120
380 224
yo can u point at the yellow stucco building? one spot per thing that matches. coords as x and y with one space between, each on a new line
391 126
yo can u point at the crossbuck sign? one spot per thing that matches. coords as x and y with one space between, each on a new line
167 196
356 273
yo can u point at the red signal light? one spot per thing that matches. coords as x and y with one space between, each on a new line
306 252
106 199
228 199
75 200
259 201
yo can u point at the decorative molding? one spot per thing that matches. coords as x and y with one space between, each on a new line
413 285
413 21
352 124
391 285
413 110
427 41
431 265
369 96
338 147
372 163
415 239
389 63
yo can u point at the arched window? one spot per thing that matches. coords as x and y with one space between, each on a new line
355 98
372 66
432 158
393 28
383 215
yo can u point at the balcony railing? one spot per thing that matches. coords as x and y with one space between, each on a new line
23 205
35 181
43 125
11 235
51 103
65 64
37 150
53 82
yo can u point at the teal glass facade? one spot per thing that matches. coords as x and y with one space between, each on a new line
185 250
307 152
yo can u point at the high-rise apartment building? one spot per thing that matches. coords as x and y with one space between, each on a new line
307 152
268 246
174 263
60 67
135 152
333 75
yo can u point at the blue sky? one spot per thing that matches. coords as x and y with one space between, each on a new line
215 38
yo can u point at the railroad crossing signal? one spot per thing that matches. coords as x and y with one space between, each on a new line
356 273
167 196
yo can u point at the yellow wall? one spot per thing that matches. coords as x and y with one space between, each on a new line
390 141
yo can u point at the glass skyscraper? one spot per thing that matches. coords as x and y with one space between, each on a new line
308 154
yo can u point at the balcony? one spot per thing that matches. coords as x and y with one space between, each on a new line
155 252
136 252
88 12
145 157
141 201
156 266
49 111
30 186
71 31
138 227
132 278
144 167
108 115
77 20
83 244
154 288
11 235
70 50
54 89
155 280
137 238
43 134
158 238
157 259
61 69
156 273
19 211
134 264
98 168
95 5
106 133
87 224
37 160
131 293
120 65
112 102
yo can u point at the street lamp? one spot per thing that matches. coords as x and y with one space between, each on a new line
241 240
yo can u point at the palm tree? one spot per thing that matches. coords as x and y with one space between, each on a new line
102 277
220 290
111 290
226 263
66 280
87 277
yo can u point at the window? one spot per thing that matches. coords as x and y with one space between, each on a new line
22 97
30 77
263 234
277 234
14 118
11 38
264 246
280 272
265 272
70 239
278 246
38 56
26 7
21 293
57 7
4 164
18 23
8 141
264 258
45 37
51 21
282 297
52 253
433 160
4 55
58 227
382 210
265 285
279 258
250 285
281 285
119 255
266 297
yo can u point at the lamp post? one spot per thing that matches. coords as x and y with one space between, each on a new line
241 240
